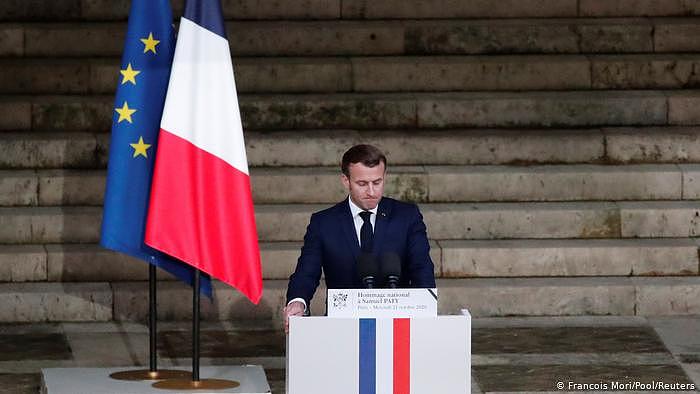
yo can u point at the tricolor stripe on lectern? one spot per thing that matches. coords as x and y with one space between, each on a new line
368 356
384 356
402 356
201 208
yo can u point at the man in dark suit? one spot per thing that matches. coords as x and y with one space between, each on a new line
365 223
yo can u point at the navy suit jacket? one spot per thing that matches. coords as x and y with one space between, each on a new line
331 245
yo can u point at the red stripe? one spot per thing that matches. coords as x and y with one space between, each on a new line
201 212
402 356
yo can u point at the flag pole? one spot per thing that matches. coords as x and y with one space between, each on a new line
195 383
152 373
152 318
195 326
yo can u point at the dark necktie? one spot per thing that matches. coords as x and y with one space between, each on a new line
366 233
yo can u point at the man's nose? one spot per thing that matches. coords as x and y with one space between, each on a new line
370 190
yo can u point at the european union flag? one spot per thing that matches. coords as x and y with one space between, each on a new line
143 83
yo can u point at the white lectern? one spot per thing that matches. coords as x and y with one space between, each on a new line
379 355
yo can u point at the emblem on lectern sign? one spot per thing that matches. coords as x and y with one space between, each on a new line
340 300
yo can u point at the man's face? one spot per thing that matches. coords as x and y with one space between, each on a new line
365 184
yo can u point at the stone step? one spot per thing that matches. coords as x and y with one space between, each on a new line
391 110
524 72
101 75
50 225
676 35
38 302
604 257
660 219
57 113
287 222
645 145
662 71
484 297
422 9
23 263
95 10
51 187
416 183
571 296
560 183
381 37
93 263
323 147
452 259
475 147
67 10
53 150
313 148
281 185
18 188
381 74
522 220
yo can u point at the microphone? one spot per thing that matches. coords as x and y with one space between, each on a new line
391 269
367 266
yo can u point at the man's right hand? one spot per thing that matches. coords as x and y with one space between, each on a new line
294 308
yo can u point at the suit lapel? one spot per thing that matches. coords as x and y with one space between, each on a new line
381 224
345 220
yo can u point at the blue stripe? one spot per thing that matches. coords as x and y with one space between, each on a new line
207 14
368 356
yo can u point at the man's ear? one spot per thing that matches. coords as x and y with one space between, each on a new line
345 180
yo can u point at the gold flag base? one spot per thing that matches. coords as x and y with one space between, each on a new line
204 384
145 374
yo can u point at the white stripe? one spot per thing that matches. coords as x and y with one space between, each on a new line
323 355
440 355
385 356
201 105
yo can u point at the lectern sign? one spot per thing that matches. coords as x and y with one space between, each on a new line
382 303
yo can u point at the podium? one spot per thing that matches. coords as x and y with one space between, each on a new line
379 355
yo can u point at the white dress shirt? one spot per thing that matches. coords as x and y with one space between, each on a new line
357 220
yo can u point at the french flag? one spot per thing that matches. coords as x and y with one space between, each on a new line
201 207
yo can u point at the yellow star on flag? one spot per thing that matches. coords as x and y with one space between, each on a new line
149 44
140 148
125 113
129 75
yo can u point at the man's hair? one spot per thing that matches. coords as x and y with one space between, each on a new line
366 154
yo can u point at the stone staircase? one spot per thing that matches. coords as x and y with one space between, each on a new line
553 146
